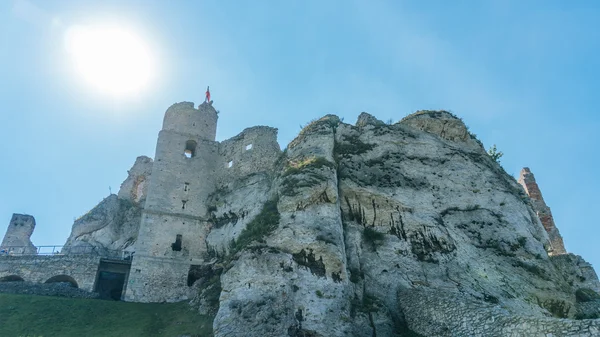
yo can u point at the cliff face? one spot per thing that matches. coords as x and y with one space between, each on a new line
369 215
371 230
114 223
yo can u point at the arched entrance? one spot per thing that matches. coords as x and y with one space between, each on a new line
63 279
11 278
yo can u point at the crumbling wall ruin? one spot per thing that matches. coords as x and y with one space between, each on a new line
18 234
364 229
527 180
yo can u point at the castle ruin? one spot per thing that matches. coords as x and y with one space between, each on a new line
172 192
352 230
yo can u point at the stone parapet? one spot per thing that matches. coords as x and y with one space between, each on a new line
80 268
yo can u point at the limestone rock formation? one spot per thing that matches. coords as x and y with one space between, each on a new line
113 225
370 229
368 213
135 187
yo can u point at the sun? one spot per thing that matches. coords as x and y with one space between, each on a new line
111 58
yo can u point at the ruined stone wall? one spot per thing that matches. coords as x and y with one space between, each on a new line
253 150
527 180
135 187
153 279
437 313
17 235
172 227
81 268
179 184
156 241
184 118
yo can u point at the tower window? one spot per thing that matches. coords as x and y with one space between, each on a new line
183 202
186 187
230 164
248 147
190 149
176 246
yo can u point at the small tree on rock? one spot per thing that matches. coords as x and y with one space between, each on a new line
495 154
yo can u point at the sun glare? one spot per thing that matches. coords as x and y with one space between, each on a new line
110 58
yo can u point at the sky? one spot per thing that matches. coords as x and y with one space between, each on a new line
523 75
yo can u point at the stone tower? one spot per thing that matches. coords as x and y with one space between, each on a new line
16 239
527 180
173 226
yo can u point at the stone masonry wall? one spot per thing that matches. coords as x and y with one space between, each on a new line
183 118
17 235
158 280
253 150
41 268
527 180
436 313
173 228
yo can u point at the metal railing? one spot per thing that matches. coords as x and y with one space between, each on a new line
62 250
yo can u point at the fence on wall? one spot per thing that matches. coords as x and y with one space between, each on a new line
62 251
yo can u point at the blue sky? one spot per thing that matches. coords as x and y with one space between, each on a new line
522 74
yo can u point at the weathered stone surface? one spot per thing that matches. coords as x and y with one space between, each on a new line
527 180
135 187
113 225
372 210
354 230
18 234
365 119
439 313
80 269
576 271
107 229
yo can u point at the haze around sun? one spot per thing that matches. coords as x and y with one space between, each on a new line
110 58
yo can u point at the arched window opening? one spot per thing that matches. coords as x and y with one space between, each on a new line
11 278
190 149
230 164
248 147
63 279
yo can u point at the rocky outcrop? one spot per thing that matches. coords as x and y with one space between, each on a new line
455 315
106 230
372 229
135 187
113 225
527 180
354 217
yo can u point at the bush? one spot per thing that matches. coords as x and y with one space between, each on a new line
373 237
495 154
263 225
586 295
